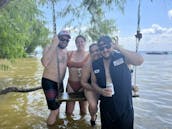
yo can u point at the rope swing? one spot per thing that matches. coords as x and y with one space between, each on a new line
55 33
138 36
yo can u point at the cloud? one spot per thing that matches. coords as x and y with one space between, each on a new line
155 38
170 14
156 29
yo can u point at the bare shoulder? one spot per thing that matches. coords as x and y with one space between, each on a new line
87 55
47 46
87 65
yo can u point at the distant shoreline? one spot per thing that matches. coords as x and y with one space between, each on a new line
156 52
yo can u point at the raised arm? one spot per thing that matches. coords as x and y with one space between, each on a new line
48 51
132 58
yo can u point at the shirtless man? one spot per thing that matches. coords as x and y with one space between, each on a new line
54 60
111 78
90 94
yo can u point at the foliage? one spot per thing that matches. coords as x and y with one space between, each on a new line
89 13
21 29
94 10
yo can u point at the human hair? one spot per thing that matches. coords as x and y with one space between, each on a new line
93 44
80 36
105 39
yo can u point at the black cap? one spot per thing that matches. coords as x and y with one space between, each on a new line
105 39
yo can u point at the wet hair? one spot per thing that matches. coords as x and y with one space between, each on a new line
80 36
93 44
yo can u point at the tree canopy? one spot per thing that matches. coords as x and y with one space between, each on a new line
21 29
94 11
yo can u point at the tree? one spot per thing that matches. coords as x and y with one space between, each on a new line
21 29
90 13
94 11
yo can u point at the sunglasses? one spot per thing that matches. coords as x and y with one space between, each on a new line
64 40
103 47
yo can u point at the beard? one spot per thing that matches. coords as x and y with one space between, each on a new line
106 58
61 46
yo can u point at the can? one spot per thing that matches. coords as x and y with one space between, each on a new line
110 85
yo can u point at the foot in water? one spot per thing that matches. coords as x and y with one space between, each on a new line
52 117
93 122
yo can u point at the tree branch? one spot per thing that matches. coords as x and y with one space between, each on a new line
16 89
3 3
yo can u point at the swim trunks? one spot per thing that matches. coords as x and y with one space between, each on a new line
51 92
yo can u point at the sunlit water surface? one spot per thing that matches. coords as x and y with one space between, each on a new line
153 109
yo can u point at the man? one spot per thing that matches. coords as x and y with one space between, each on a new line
54 61
111 78
89 92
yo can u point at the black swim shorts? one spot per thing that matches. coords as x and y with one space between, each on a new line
51 92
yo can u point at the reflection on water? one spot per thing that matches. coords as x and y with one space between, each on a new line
153 109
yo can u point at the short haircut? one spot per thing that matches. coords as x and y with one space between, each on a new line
105 39
93 44
80 36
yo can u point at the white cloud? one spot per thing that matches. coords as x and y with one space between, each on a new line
155 29
170 14
155 38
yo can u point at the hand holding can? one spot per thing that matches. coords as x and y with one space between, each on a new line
110 86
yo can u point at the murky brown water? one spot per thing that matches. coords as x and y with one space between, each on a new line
29 110
153 109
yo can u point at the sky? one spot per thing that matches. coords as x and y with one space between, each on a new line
155 25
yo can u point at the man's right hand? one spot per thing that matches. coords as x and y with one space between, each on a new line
107 92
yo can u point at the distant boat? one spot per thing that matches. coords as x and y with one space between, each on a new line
157 53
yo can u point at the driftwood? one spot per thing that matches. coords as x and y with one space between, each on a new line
16 89
63 97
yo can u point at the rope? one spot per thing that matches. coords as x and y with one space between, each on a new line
54 32
138 37
54 18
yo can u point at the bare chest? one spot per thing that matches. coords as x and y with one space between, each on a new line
107 73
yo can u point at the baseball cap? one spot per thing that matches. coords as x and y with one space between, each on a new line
105 39
64 33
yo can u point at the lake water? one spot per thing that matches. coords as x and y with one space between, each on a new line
153 109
